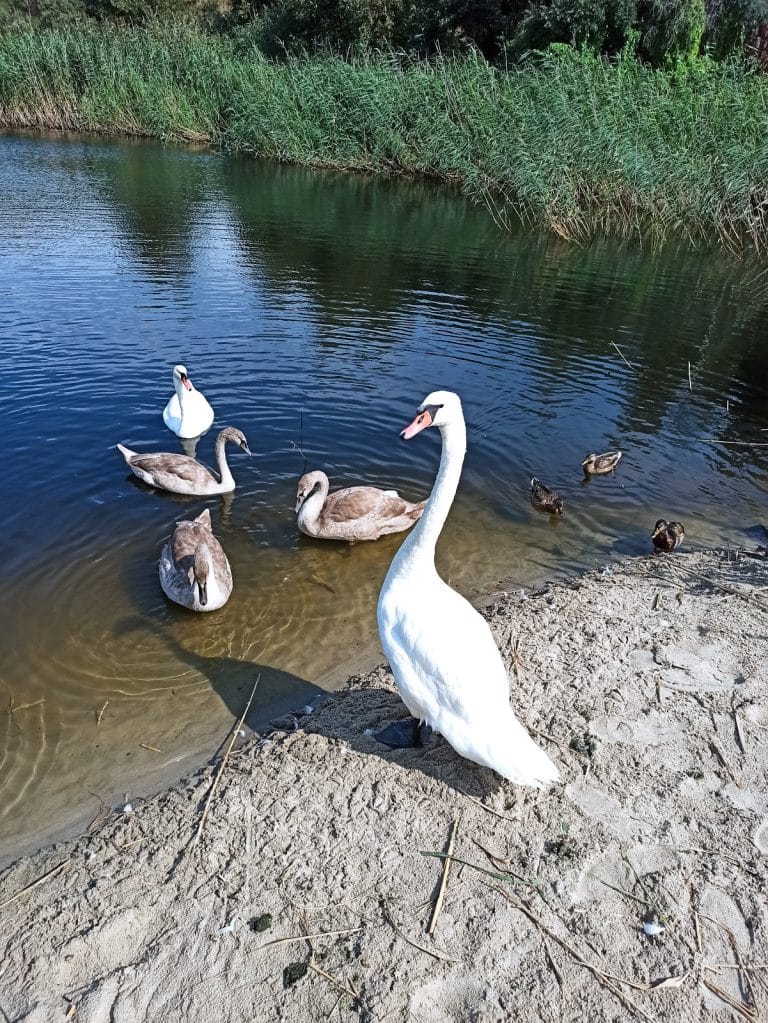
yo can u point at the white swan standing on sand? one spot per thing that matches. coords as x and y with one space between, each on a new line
188 413
355 513
181 474
446 664
194 570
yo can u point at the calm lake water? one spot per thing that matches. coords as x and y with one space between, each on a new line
315 311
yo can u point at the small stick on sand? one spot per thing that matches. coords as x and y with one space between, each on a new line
100 715
697 929
628 895
337 983
222 765
608 980
44 877
347 990
551 738
622 355
497 875
154 749
739 733
750 1010
744 1010
308 937
721 757
552 964
496 813
749 597
440 956
444 880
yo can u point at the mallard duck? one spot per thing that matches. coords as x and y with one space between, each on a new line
181 474
597 465
355 513
667 536
187 413
446 664
194 570
545 499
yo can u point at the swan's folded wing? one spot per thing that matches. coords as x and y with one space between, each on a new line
186 538
166 464
359 502
449 648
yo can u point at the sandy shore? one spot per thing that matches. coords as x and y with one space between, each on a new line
649 687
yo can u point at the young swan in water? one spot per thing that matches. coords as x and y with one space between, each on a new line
355 513
446 664
181 474
187 413
194 570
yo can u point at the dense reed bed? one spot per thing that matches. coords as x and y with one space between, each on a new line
569 140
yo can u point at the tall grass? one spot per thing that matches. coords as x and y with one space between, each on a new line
572 141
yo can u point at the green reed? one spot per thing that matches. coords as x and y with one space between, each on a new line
569 140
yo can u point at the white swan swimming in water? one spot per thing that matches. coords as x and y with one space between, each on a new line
446 664
194 570
181 474
355 513
188 413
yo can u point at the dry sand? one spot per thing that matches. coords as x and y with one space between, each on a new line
648 685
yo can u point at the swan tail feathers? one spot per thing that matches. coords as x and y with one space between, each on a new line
507 748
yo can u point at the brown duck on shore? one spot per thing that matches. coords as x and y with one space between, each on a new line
667 536
545 499
598 465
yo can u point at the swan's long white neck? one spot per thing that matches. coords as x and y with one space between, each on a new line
312 508
422 540
225 473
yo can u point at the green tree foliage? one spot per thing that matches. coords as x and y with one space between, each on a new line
604 27
672 29
501 30
282 27
736 26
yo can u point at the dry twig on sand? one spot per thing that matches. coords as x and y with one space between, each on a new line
308 937
608 980
440 956
444 879
222 765
733 590
44 877
488 809
748 1008
346 989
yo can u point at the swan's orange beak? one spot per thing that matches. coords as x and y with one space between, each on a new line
421 422
186 381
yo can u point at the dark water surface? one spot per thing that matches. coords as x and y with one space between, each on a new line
314 311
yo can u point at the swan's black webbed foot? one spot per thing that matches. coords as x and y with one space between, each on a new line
409 733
